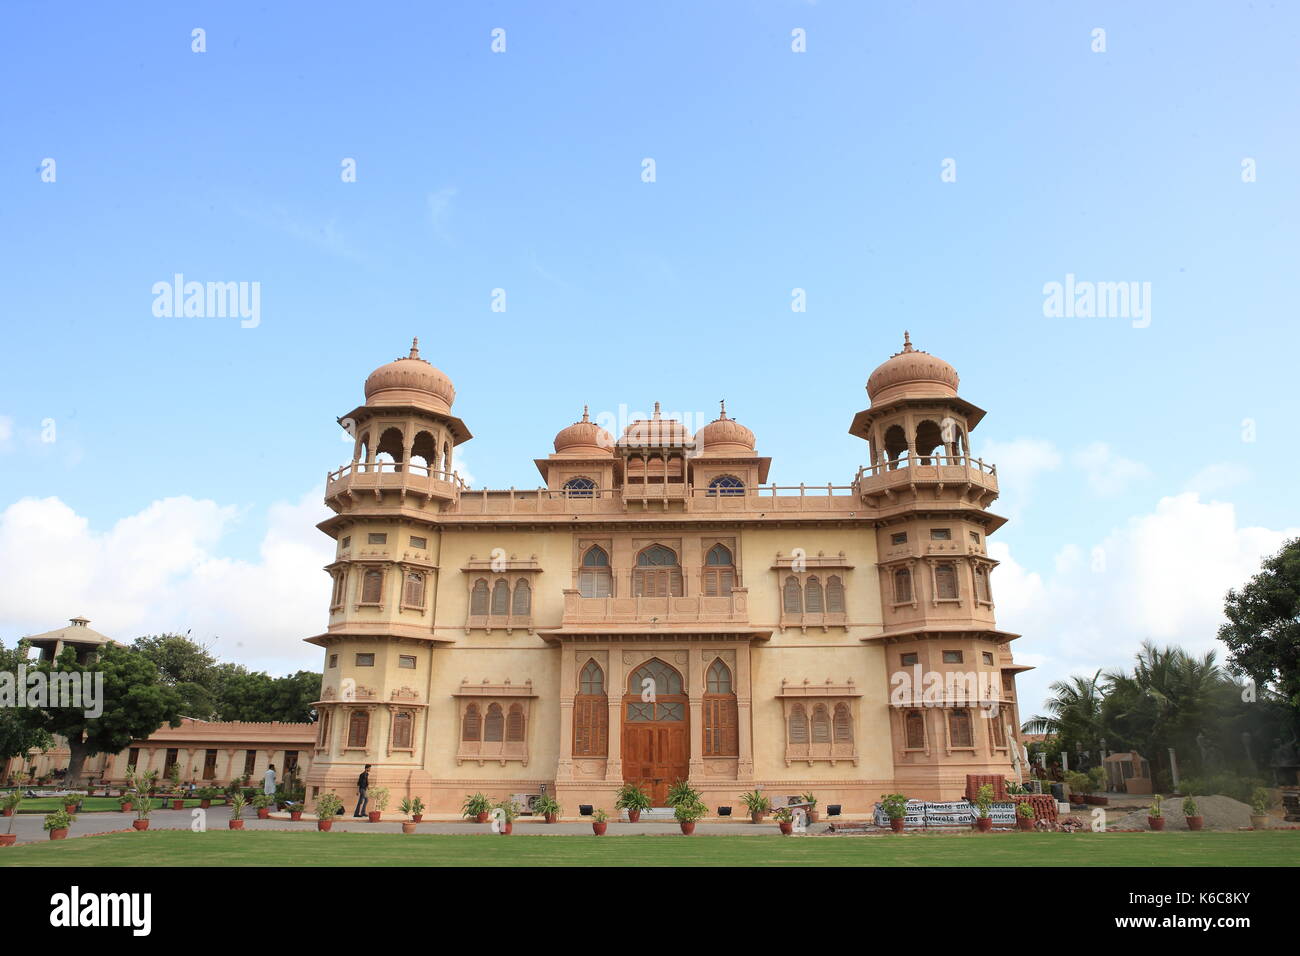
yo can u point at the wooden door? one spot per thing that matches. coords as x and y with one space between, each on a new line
656 754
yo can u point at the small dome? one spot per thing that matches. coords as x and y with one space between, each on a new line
656 432
584 436
912 373
410 380
723 435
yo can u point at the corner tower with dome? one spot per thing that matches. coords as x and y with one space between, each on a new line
655 611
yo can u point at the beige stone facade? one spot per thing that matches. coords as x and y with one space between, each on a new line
655 611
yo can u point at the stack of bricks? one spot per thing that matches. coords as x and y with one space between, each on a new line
974 781
1044 804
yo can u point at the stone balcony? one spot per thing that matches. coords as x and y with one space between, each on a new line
974 478
381 476
657 612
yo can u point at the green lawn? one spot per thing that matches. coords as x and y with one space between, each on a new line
88 804
286 848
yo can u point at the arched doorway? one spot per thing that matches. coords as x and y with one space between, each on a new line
656 732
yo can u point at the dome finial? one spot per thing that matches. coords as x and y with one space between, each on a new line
584 414
907 342
723 403
415 348
656 409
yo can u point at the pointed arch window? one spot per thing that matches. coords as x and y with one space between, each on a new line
792 596
719 571
657 573
591 713
834 595
721 738
478 598
797 726
668 703
522 605
812 596
358 729
580 487
413 590
471 727
594 577
515 725
821 725
842 725
726 485
494 725
501 597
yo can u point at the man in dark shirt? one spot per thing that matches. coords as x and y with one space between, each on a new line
363 785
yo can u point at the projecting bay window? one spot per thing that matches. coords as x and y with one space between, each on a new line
813 599
493 722
500 600
819 722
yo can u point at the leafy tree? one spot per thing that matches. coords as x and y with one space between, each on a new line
135 703
179 659
17 735
1263 629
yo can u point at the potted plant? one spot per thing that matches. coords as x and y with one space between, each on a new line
632 798
378 803
126 803
327 807
811 800
756 804
688 812
1193 814
57 823
1097 777
262 804
143 807
477 806
785 820
206 796
1025 815
895 807
1259 804
71 804
983 807
599 821
1079 785
237 804
1156 815
412 807
11 803
547 806
682 792
511 811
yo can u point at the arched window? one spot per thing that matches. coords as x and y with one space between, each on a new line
402 735
834 595
515 725
720 717
843 724
903 586
812 594
665 684
959 728
413 593
522 605
928 438
896 446
501 597
494 725
471 727
424 454
945 580
591 713
982 584
594 579
914 730
797 729
792 596
372 587
478 598
358 728
821 725
390 449
719 572
657 573
726 485
580 487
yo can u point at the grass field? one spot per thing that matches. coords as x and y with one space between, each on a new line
284 848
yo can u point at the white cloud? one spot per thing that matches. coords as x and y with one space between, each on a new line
1218 477
1108 474
1162 576
160 570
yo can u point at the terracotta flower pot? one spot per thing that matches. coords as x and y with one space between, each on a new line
7 839
1259 822
8 813
1156 823
295 814
598 828
756 816
264 813
140 824
61 834
70 807
374 816
483 817
127 807
634 816
417 818
688 827
236 824
178 804
897 823
550 817
1195 823
508 828
324 825
787 827
813 816
1025 823
983 824
408 826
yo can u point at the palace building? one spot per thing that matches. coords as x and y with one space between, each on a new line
656 612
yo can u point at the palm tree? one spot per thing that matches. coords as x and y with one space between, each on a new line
1073 713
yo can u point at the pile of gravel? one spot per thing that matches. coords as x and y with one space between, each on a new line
1221 813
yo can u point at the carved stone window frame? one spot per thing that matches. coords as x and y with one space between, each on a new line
484 695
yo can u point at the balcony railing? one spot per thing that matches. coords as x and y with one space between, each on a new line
929 470
392 476
663 611
611 501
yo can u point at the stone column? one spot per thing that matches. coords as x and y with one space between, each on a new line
568 686
744 714
694 678
617 677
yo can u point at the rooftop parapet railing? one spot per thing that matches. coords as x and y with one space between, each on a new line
542 501
391 475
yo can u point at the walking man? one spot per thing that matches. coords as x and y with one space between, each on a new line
268 781
363 785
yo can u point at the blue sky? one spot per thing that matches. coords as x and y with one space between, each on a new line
775 170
